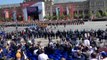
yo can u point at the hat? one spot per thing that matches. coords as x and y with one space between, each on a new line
103 54
19 50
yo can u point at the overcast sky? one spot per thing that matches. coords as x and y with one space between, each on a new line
2 2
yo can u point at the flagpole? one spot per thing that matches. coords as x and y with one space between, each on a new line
51 8
15 19
16 29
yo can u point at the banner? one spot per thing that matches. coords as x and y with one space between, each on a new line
14 15
6 13
72 11
67 10
57 11
61 10
32 10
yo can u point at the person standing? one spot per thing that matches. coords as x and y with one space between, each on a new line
18 55
87 42
43 56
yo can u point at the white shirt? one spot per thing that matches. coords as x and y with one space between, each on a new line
86 42
51 43
12 37
43 57
86 35
105 59
25 57
93 59
35 52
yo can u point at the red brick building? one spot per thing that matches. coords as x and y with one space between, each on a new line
21 10
9 9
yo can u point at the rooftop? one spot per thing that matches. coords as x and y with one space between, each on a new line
65 1
10 5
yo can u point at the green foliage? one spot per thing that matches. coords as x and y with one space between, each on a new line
47 17
62 17
105 13
98 15
90 14
51 17
68 16
55 17
1 19
75 15
5 19
80 15
19 18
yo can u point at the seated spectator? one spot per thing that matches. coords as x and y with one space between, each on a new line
86 42
1 53
18 55
63 58
93 56
104 55
43 56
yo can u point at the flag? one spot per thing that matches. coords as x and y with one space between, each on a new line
6 12
57 11
72 11
61 10
67 10
14 15
29 18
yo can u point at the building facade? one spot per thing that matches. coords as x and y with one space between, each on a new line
8 10
84 9
28 10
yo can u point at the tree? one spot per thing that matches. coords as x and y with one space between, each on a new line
1 19
68 16
47 17
20 18
55 17
90 14
98 15
51 17
62 16
105 13
75 15
80 15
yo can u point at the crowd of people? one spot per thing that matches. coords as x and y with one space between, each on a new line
73 45
62 22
